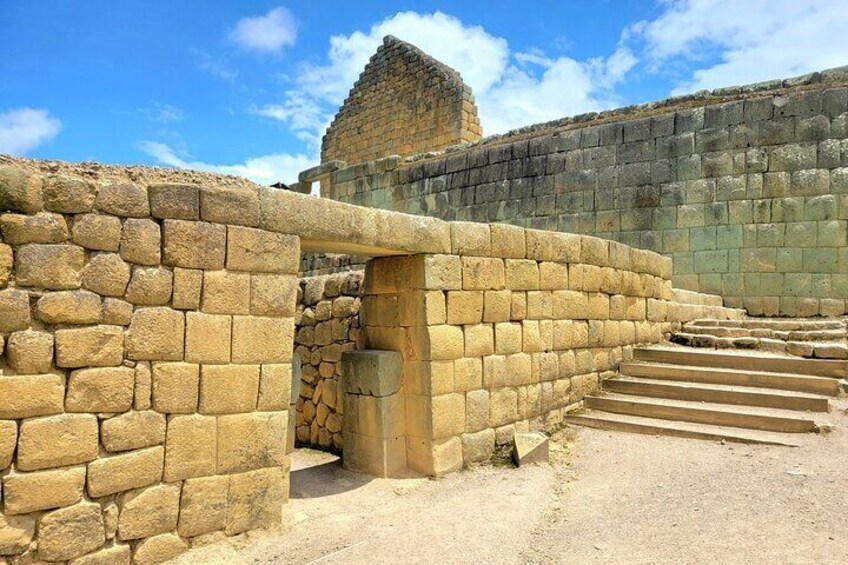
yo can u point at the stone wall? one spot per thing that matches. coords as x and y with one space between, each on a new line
404 102
327 325
315 264
746 188
144 392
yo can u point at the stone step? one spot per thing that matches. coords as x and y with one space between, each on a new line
794 335
720 394
758 379
783 324
747 361
766 419
652 426
806 349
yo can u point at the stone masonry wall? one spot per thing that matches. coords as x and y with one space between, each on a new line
327 325
145 378
746 188
404 103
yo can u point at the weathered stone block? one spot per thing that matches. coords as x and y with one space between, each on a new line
226 293
16 533
6 261
187 287
479 340
123 199
380 457
156 334
100 390
69 307
258 339
43 227
30 351
464 307
45 490
95 231
141 242
259 251
116 312
434 457
251 441
70 532
191 447
530 447
208 338
20 191
150 286
114 555
228 389
8 441
254 500
26 396
203 506
275 383
175 387
194 245
273 295
470 238
174 201
480 273
14 310
434 343
49 266
134 469
507 241
375 373
149 511
435 272
230 205
478 447
94 346
159 549
133 430
68 195
106 274
57 441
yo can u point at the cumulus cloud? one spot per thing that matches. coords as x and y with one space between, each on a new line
266 169
24 129
269 32
726 42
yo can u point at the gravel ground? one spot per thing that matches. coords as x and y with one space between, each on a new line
607 498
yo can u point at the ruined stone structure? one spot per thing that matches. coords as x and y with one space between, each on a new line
405 102
148 324
746 188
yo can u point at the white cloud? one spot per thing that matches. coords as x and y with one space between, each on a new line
24 129
162 113
266 169
744 42
270 32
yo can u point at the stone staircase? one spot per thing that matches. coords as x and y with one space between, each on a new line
810 338
747 397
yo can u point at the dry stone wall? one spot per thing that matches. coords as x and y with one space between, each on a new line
404 102
746 188
145 378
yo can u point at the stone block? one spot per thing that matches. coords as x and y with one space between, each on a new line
552 246
187 287
93 346
380 457
530 447
230 205
101 390
273 295
68 195
8 441
226 293
174 201
435 343
508 338
434 272
470 238
130 470
507 241
155 334
259 251
56 267
496 305
159 549
16 532
503 407
416 308
228 389
96 231
6 261
44 490
123 199
14 310
116 312
106 274
478 447
150 286
194 245
147 512
44 227
464 307
255 500
480 273
190 447
69 307
434 457
175 387
258 339
114 555
30 351
570 305
20 191
70 532
479 340
375 373
203 506
522 274
275 383
141 242
379 417
251 441
26 396
57 441
133 430
208 338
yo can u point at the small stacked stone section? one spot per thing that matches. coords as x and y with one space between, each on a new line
820 339
327 326
316 264
144 392
405 102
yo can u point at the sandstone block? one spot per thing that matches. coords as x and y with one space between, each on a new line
6 261
101 390
14 310
478 447
16 533
273 295
20 191
143 386
434 272
94 346
134 469
123 199
226 293
503 407
539 305
374 373
254 500
57 441
570 305
187 286
230 205
553 246
228 389
508 241
70 532
159 549
147 512
26 396
258 339
194 245
380 457
114 555
470 238
275 383
174 201
508 338
191 447
259 251
530 447
522 274
49 266
106 274
45 490
479 273
150 286
434 457
435 343
69 307
44 227
175 387
30 351
8 440
133 430
553 276
496 305
116 312
479 340
598 306
95 231
141 242
464 307
208 338
68 195
203 506
156 334
251 441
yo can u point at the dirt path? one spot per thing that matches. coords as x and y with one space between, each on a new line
617 498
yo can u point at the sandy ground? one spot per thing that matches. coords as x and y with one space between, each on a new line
607 498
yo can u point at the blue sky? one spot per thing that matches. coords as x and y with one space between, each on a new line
248 88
